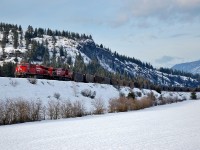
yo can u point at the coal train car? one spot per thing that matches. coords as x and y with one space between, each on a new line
89 78
114 81
106 80
98 79
101 80
78 77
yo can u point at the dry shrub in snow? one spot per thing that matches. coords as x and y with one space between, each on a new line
99 106
1 112
53 109
32 80
36 110
144 102
121 94
7 112
170 99
118 104
152 98
66 109
112 105
11 112
88 93
14 83
78 109
19 110
131 95
138 94
23 109
123 104
57 95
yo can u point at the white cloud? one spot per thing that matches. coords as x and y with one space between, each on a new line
165 59
165 10
168 61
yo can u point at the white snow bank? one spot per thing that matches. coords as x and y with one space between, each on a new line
12 88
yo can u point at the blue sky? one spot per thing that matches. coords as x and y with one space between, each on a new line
162 32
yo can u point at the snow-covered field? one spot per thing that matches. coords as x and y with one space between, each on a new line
172 127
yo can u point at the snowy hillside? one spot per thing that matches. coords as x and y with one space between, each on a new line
69 46
192 67
168 127
12 88
45 90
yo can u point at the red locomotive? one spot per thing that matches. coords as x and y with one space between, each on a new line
39 71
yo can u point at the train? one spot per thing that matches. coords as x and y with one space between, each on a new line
28 70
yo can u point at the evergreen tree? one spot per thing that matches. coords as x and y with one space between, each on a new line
15 43
35 34
101 46
69 60
40 32
53 59
49 32
20 28
79 65
46 57
16 59
31 53
61 51
8 69
193 95
3 42
54 40
28 35
59 63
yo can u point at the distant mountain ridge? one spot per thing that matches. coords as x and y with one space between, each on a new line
191 67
